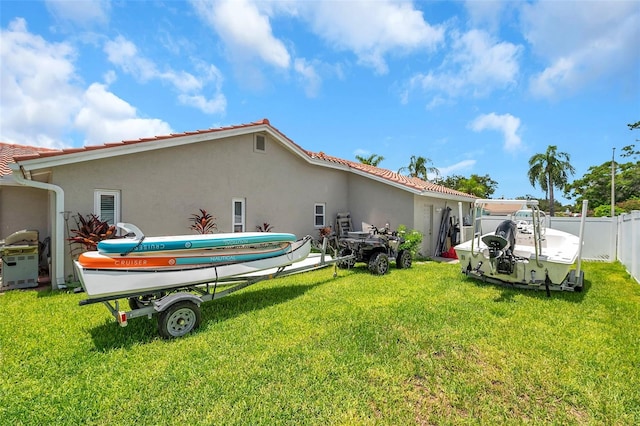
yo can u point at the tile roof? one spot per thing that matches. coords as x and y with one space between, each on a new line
9 151
416 184
408 181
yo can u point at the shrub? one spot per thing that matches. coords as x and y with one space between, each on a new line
605 211
629 205
265 227
325 232
203 223
90 231
412 239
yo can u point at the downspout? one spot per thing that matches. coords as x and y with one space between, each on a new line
58 281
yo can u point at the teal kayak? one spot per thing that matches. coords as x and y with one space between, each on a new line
126 246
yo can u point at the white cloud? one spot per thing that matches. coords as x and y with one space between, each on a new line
245 31
309 77
477 65
80 12
507 124
43 102
372 30
104 117
125 54
583 45
486 13
214 105
462 166
39 93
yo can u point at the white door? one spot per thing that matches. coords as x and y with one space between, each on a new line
427 226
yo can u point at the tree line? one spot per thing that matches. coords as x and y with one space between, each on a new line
549 170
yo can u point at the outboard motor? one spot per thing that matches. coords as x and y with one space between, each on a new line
507 230
501 246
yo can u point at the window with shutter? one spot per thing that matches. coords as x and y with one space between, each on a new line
238 214
106 205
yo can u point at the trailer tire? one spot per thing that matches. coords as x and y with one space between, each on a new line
379 263
403 260
179 319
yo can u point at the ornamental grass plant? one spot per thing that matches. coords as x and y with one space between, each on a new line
424 345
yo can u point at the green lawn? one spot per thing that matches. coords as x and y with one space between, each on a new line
418 346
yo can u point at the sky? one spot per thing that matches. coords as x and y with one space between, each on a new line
475 87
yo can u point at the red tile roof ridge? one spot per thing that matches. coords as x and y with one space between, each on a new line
389 175
8 151
106 145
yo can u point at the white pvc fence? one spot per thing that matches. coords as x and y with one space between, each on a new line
605 239
629 242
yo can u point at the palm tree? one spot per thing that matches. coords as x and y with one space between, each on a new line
418 168
550 171
372 160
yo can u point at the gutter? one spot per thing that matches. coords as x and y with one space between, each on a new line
58 280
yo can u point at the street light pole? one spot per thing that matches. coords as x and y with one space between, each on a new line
613 183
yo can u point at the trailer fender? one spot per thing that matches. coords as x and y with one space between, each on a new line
162 304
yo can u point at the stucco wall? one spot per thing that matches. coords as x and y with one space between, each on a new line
21 208
378 204
161 189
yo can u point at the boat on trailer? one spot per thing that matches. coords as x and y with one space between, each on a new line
177 300
522 251
179 260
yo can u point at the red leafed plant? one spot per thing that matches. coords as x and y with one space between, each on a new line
203 223
265 227
91 230
325 232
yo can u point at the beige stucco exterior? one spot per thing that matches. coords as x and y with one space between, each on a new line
23 208
161 184
161 189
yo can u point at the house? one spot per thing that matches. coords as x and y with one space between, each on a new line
244 175
21 207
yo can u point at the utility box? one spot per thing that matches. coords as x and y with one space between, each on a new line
20 260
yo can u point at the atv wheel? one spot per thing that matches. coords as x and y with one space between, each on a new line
379 263
403 260
347 263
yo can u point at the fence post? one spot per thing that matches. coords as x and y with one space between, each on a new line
580 236
634 267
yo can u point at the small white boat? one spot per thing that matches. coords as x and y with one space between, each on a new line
106 282
522 251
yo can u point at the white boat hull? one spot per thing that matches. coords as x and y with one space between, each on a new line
550 266
105 283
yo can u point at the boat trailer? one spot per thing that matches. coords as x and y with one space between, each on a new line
178 308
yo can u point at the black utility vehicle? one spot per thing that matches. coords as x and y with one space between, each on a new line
374 248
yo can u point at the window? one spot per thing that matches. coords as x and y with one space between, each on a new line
318 215
238 214
259 143
106 205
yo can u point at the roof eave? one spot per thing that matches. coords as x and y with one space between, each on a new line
448 197
141 145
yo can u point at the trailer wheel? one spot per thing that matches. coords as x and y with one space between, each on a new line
403 260
179 319
346 264
379 263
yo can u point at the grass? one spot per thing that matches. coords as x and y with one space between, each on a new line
418 346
